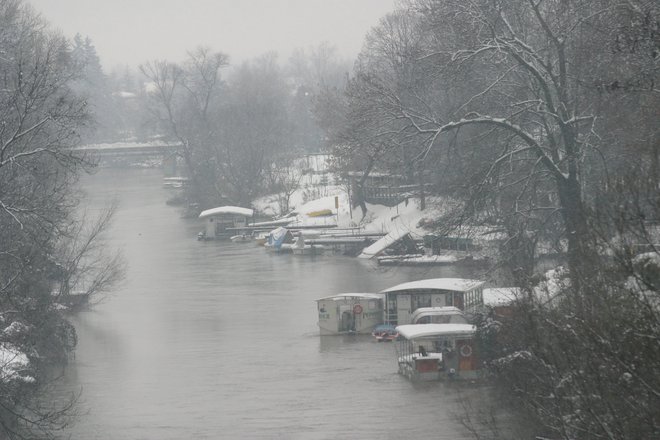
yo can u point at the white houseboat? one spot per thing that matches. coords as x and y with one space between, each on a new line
437 351
404 299
350 313
223 221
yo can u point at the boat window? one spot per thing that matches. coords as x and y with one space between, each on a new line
458 300
372 305
421 300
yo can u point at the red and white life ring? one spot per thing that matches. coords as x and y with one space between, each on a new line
357 309
466 350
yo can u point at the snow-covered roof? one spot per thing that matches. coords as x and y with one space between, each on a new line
342 296
414 331
226 210
12 362
497 296
456 284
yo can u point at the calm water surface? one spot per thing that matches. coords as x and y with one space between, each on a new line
215 340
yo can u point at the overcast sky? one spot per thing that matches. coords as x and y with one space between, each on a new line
134 31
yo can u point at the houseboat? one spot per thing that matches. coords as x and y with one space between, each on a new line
223 221
427 352
402 300
350 313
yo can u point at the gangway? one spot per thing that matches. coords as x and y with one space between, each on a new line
394 236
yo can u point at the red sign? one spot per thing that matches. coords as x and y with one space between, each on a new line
357 309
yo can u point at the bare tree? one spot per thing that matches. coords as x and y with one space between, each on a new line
184 99
41 118
254 127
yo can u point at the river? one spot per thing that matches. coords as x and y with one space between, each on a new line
214 340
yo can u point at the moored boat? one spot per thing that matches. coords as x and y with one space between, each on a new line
240 238
350 313
385 333
402 300
437 351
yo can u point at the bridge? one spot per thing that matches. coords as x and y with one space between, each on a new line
123 149
124 154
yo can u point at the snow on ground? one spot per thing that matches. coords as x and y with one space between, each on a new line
12 362
500 296
379 218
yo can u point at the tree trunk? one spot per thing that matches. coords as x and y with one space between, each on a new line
580 254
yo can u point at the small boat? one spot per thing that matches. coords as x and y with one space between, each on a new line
385 333
174 182
279 240
260 238
240 238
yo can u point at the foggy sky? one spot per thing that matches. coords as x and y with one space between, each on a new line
130 32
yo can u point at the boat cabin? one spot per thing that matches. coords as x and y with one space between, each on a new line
350 313
438 315
436 351
223 221
402 300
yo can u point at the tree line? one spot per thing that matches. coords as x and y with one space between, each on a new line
240 126
538 119
51 257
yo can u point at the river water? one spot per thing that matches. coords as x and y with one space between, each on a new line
218 340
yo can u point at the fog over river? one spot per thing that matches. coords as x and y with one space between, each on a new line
215 340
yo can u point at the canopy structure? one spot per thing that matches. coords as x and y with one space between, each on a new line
453 284
227 210
415 331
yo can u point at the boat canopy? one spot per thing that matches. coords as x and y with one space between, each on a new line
437 311
343 296
414 331
453 284
246 212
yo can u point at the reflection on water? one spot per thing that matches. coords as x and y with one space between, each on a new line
212 340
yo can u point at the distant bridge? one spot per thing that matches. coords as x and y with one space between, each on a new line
124 149
130 154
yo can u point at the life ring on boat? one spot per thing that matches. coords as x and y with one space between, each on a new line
357 309
438 299
466 351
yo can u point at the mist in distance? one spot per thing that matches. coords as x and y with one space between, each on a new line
131 32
